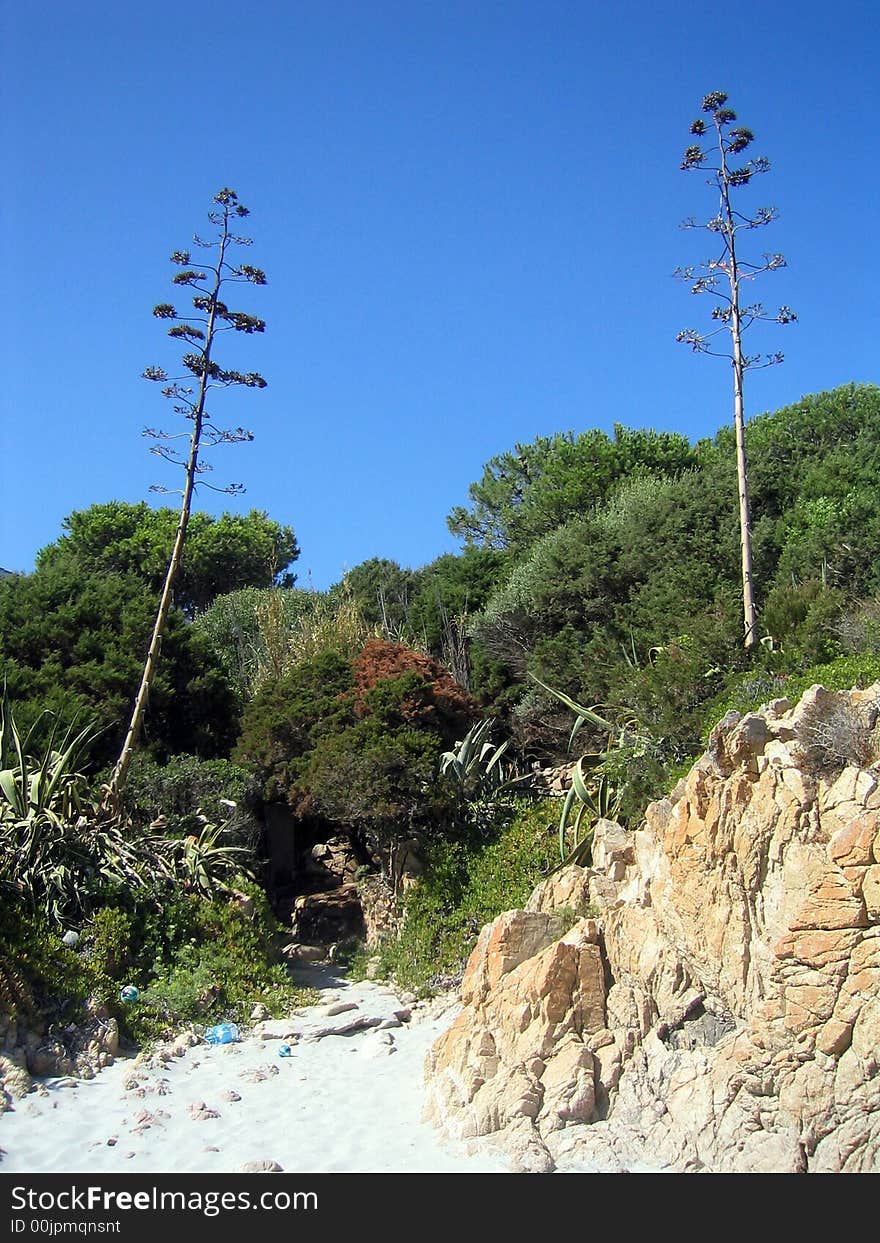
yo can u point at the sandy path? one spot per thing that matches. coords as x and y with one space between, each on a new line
338 1103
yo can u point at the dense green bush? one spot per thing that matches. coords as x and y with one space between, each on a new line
355 742
194 961
374 778
74 633
526 493
74 642
202 961
53 980
749 691
249 631
185 790
286 720
469 878
225 553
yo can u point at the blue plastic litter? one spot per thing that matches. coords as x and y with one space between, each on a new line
284 1050
129 993
223 1033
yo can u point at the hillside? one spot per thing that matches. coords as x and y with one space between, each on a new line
369 775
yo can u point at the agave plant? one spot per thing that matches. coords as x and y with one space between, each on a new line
592 796
49 786
60 847
56 846
475 763
205 864
591 801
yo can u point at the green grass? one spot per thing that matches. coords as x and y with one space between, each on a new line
750 690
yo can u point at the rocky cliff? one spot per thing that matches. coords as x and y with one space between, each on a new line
705 995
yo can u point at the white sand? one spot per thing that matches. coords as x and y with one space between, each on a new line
334 1105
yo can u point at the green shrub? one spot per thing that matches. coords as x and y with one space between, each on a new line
748 691
195 961
841 674
803 620
285 721
468 881
358 743
108 942
204 961
249 631
859 627
186 788
53 979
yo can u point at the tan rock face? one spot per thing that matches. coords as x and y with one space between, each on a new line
723 1013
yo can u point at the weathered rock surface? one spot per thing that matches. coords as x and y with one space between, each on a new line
29 1049
723 1011
320 919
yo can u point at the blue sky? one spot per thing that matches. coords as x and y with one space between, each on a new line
468 214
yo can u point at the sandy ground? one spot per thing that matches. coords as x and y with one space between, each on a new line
341 1102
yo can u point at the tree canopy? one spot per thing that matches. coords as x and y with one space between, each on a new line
528 491
222 554
74 632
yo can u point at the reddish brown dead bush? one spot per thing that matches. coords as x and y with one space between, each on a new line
432 698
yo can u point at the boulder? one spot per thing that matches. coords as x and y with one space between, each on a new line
722 1012
328 916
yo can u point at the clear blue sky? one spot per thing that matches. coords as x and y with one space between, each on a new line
468 213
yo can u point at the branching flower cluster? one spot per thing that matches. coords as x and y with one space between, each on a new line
199 331
724 275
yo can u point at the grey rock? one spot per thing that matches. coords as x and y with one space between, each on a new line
338 1007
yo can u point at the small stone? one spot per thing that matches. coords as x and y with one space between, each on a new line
378 1044
200 1112
278 1031
261 1167
229 1095
259 1013
338 1007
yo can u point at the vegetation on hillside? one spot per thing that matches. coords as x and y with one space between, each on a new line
599 568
